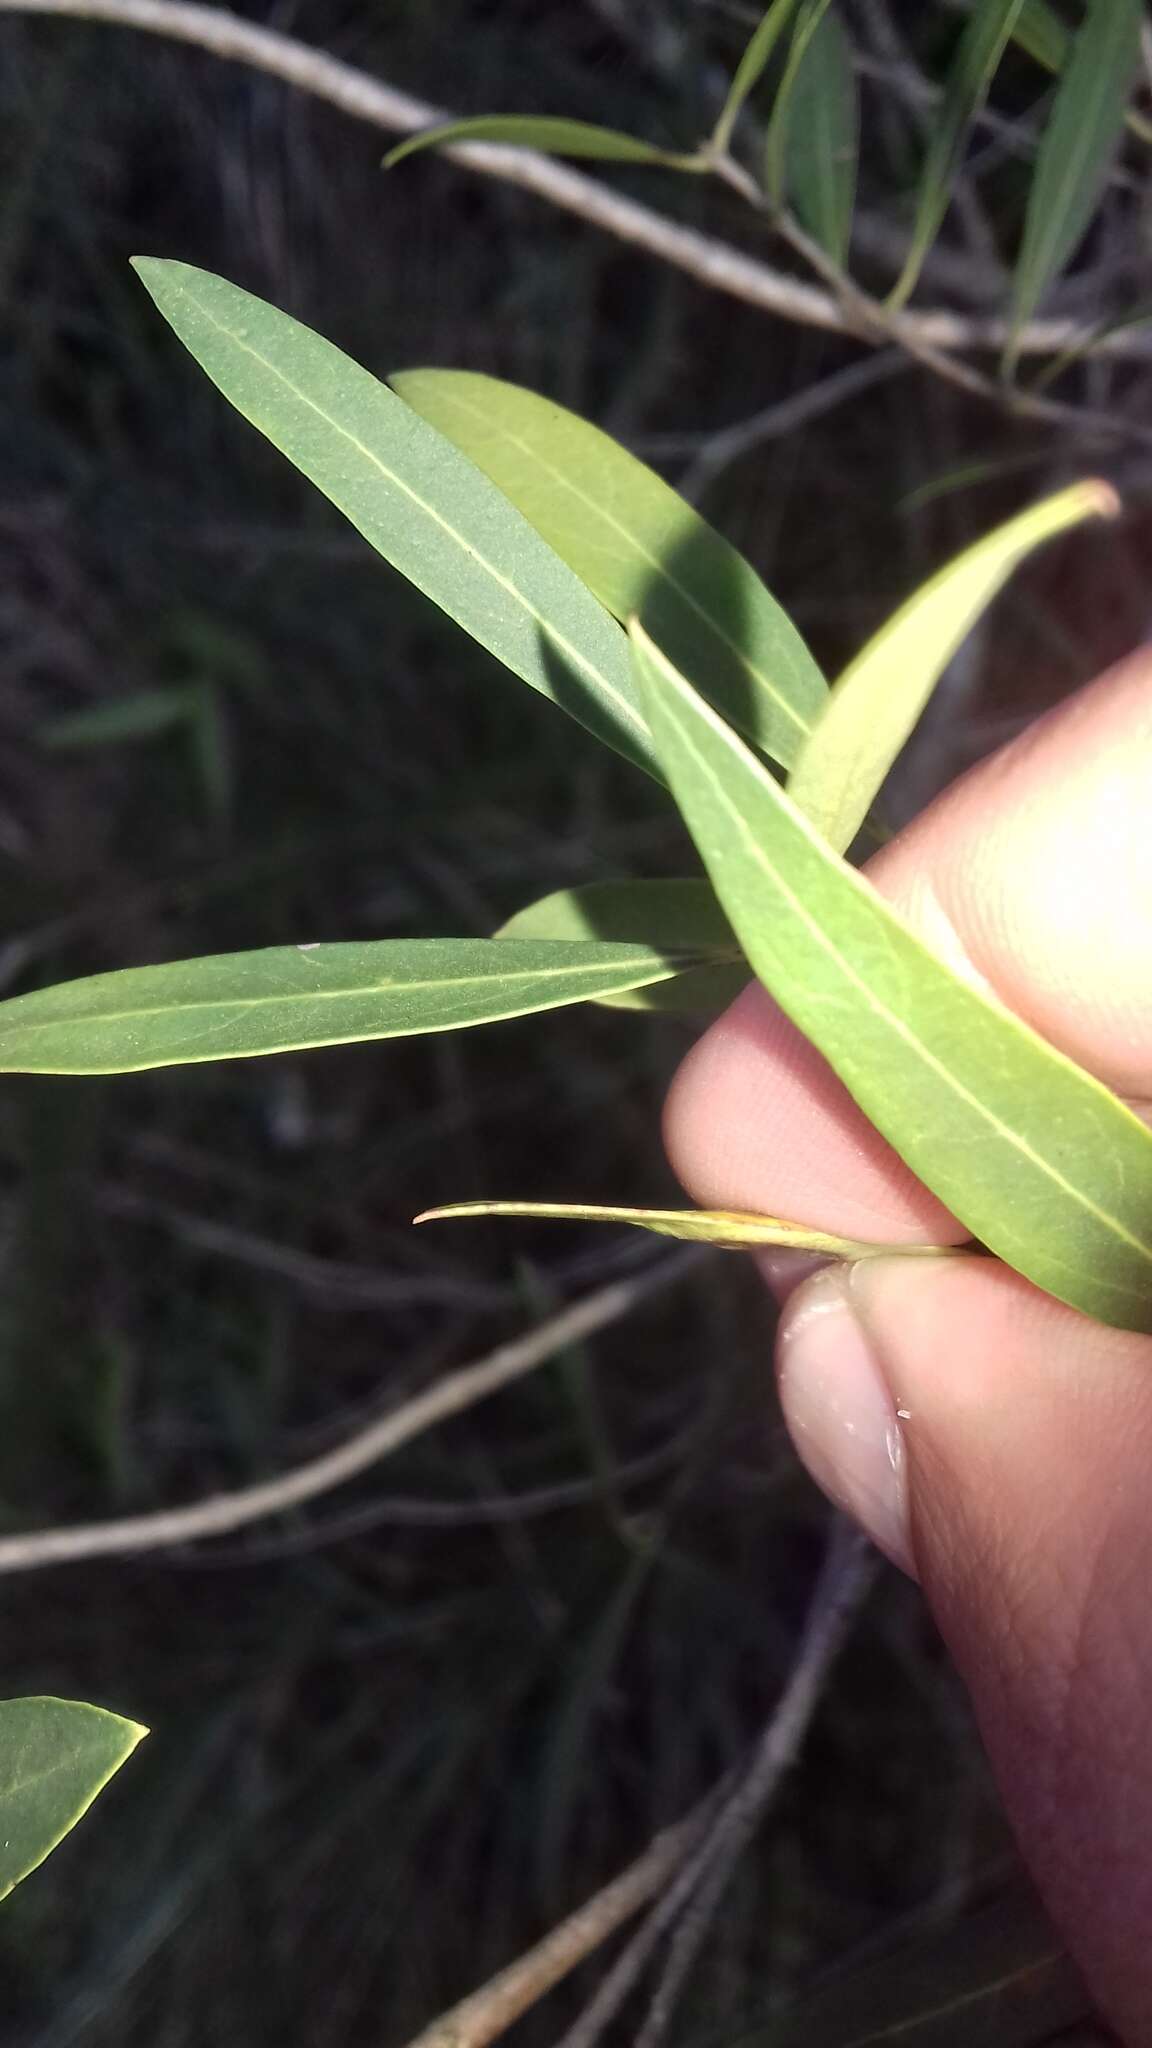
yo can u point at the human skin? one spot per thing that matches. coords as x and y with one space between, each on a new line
1016 1480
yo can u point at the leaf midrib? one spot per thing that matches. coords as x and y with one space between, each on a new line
558 638
902 1030
654 561
1072 164
676 963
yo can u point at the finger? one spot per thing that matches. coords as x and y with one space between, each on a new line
1033 877
1000 1445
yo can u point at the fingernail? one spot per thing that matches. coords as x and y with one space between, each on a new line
841 1413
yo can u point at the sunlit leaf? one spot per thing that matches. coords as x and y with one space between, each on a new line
420 503
823 137
637 545
1077 147
877 701
560 137
999 1977
730 1230
1041 1163
978 53
777 148
55 1757
748 73
659 914
284 998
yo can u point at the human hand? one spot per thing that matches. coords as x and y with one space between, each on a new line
995 1443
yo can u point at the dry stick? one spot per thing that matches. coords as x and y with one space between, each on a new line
222 1512
408 1512
870 321
489 2012
693 1897
844 1583
714 264
716 452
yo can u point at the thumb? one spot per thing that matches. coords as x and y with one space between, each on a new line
993 1441
1000 1445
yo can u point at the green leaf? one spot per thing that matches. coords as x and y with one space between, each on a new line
285 998
729 1230
55 1757
978 53
1077 148
551 132
1048 40
139 715
1043 35
778 146
823 138
637 545
419 502
877 701
1044 1165
751 68
999 1976
659 914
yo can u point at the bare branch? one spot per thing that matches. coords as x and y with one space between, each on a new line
844 1584
489 2012
714 264
222 1512
714 452
692 1898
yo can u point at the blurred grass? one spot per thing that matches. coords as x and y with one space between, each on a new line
387 1753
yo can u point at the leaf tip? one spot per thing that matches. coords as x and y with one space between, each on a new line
1101 500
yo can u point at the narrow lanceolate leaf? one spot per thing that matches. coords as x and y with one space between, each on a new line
823 138
420 503
779 139
730 1230
636 544
1077 148
1042 34
1044 1165
55 1757
550 132
877 701
665 915
978 54
748 73
1048 40
285 998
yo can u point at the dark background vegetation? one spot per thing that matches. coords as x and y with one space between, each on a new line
395 1739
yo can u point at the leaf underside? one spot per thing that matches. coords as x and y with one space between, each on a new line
1039 1161
288 998
875 704
419 502
662 914
638 546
